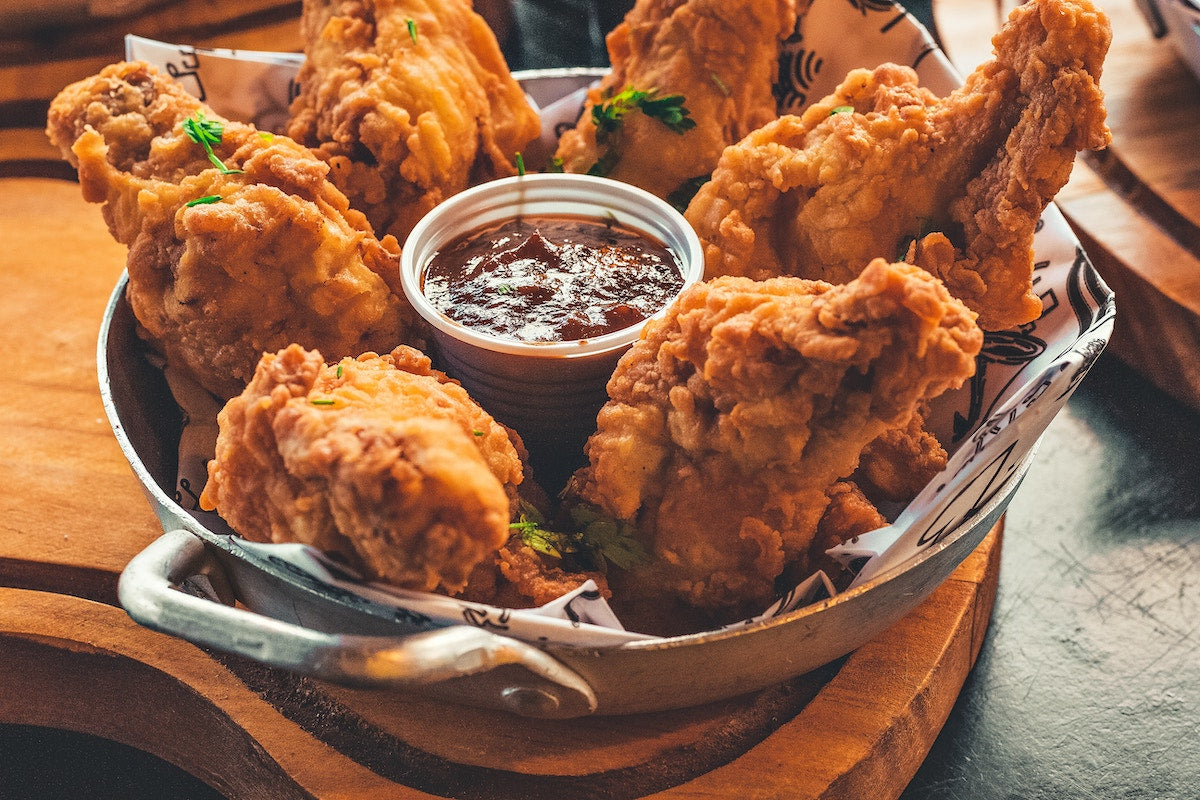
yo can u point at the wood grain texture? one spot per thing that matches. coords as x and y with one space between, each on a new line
63 44
856 729
73 515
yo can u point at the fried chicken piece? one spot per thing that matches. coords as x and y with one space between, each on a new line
720 56
729 421
899 464
279 257
850 513
380 459
882 162
539 579
407 116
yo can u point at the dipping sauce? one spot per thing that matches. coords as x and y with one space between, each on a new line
552 279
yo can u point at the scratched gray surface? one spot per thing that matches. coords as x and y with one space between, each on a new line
1088 684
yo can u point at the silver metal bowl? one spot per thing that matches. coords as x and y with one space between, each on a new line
186 584
201 585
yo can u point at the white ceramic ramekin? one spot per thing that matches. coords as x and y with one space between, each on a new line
548 391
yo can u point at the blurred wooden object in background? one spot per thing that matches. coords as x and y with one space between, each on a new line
46 45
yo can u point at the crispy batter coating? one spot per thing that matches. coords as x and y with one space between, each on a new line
407 118
279 258
541 580
721 56
381 459
820 194
899 464
730 420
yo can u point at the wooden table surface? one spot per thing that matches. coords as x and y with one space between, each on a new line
1087 676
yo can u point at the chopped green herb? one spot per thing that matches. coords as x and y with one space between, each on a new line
597 541
339 370
609 116
479 433
323 401
201 201
841 110
668 109
207 132
556 165
544 541
505 288
609 539
266 136
605 163
412 29
520 164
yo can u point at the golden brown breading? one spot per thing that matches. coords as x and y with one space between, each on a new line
381 459
729 421
883 161
721 56
850 513
539 579
407 118
899 464
279 258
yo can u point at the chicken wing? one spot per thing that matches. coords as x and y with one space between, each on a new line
731 419
883 162
410 100
380 459
718 58
233 256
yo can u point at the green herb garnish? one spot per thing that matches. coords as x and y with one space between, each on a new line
323 401
207 132
597 540
609 116
266 136
339 370
556 165
520 164
668 109
505 288
841 110
202 201
412 29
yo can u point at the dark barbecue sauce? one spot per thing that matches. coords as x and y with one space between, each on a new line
552 279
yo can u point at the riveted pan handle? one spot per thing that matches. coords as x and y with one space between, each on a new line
149 590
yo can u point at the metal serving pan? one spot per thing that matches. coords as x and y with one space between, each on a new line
202 585
187 582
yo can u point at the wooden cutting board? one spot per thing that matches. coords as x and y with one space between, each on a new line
73 515
70 658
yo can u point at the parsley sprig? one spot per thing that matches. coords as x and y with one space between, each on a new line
207 132
668 109
609 118
596 539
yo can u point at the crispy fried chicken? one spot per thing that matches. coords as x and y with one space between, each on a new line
731 419
883 163
410 100
721 57
226 263
380 459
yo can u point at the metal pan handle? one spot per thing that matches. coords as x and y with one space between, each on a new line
149 591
